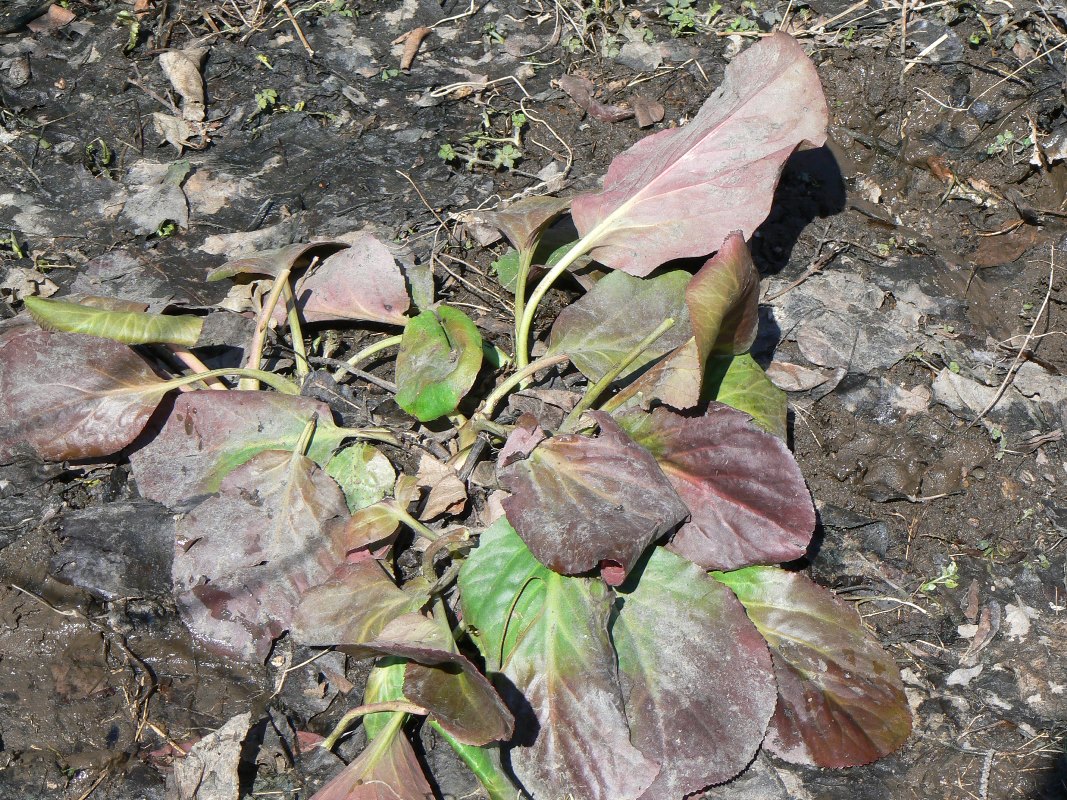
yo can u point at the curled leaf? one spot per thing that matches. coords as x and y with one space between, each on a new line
522 222
841 702
723 300
271 263
128 327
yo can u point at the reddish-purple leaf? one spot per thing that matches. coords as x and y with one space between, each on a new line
361 282
387 769
270 263
723 300
578 500
522 222
696 675
599 329
748 500
674 381
678 193
459 697
351 607
841 702
245 557
581 92
547 634
208 434
69 396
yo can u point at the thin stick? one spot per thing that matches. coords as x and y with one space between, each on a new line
401 706
516 378
197 366
296 333
284 6
255 350
1025 346
377 347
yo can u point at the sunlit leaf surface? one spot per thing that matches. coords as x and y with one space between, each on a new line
841 702
129 327
741 383
440 355
723 300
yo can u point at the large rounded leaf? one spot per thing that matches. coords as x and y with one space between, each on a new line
841 702
747 497
696 675
440 355
68 396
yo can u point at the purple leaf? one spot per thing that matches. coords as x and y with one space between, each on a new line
579 500
723 300
245 557
69 396
351 607
387 769
522 222
361 282
601 327
678 193
841 702
696 675
208 434
547 634
270 263
748 500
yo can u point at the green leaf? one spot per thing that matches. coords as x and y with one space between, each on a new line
365 475
841 702
723 300
128 327
440 355
741 383
384 684
601 327
696 675
506 267
547 634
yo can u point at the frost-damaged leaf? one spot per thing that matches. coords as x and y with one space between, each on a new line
547 634
678 193
602 326
577 500
365 475
68 396
744 489
674 381
440 355
741 383
523 222
723 300
460 699
270 263
361 282
245 557
841 702
129 327
205 437
351 606
387 769
696 675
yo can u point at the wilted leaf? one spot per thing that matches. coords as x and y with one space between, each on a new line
374 524
245 557
577 500
723 300
206 436
365 475
548 635
67 396
460 699
678 193
744 489
129 327
741 383
440 355
581 92
387 769
522 222
602 326
696 675
841 702
674 381
361 282
351 607
271 263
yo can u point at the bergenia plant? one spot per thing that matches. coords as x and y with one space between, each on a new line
614 625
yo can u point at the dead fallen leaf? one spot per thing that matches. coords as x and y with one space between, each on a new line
446 492
648 112
209 769
182 68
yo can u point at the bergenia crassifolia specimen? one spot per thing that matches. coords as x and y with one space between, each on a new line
617 628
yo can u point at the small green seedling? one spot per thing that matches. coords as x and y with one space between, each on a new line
949 578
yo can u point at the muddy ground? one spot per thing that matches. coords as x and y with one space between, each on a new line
913 304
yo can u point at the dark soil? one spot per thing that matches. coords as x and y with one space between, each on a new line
905 264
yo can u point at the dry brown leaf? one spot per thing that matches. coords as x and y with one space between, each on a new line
182 68
446 492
